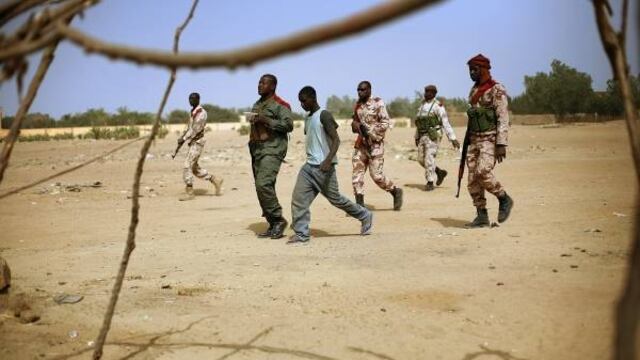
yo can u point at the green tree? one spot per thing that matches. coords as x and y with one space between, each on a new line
178 116
340 107
562 91
218 114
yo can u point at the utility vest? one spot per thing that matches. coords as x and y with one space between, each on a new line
481 119
429 124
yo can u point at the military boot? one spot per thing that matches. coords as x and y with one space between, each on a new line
189 194
217 184
360 199
278 228
505 203
441 174
267 233
482 220
397 198
429 186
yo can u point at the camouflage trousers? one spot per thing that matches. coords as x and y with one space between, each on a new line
191 167
481 158
427 150
371 157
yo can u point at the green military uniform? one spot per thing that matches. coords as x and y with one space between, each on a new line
268 147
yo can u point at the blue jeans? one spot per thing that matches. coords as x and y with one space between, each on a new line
311 181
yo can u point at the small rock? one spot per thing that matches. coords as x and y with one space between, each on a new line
593 231
555 270
183 231
383 309
28 317
73 334
67 299
62 282
500 284
574 266
619 214
165 286
565 255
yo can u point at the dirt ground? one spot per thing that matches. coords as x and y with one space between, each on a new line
201 285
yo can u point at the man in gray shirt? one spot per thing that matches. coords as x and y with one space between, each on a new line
318 174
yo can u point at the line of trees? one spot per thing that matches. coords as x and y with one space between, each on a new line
566 91
122 117
563 91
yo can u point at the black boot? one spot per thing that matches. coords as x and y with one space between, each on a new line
278 228
504 207
482 220
441 174
429 186
397 198
267 233
360 199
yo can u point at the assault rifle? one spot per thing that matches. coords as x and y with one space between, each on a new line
463 158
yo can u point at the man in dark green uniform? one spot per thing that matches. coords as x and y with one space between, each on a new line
268 147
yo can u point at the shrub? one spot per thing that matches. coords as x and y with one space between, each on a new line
243 130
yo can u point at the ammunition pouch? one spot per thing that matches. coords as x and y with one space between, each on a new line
429 125
481 119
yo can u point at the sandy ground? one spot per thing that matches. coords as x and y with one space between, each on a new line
201 285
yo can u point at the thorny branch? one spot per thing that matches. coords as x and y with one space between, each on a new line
627 316
135 202
25 104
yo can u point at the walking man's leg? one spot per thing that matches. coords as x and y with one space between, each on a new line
304 192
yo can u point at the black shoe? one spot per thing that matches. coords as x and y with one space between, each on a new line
360 199
504 207
278 229
267 233
429 186
482 220
441 174
397 198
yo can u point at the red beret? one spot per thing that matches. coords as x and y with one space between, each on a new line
480 60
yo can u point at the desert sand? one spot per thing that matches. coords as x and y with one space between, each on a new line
201 285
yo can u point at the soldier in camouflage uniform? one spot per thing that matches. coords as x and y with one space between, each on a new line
268 147
194 137
370 122
431 120
487 131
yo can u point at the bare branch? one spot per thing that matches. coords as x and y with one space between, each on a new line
627 316
135 202
16 8
25 104
66 171
351 25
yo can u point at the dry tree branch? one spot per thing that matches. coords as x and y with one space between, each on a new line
66 171
40 26
25 104
11 10
627 316
374 16
135 202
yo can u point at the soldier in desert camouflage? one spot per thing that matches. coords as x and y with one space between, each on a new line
370 122
431 120
487 132
194 137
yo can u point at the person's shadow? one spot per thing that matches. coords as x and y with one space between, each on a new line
451 223
416 186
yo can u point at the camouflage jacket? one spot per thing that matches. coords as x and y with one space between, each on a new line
271 138
495 97
373 115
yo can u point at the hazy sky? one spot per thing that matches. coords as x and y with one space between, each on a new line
520 37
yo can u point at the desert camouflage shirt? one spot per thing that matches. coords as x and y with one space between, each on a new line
495 98
197 123
373 114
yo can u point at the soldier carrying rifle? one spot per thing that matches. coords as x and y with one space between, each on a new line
486 138
194 137
370 122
